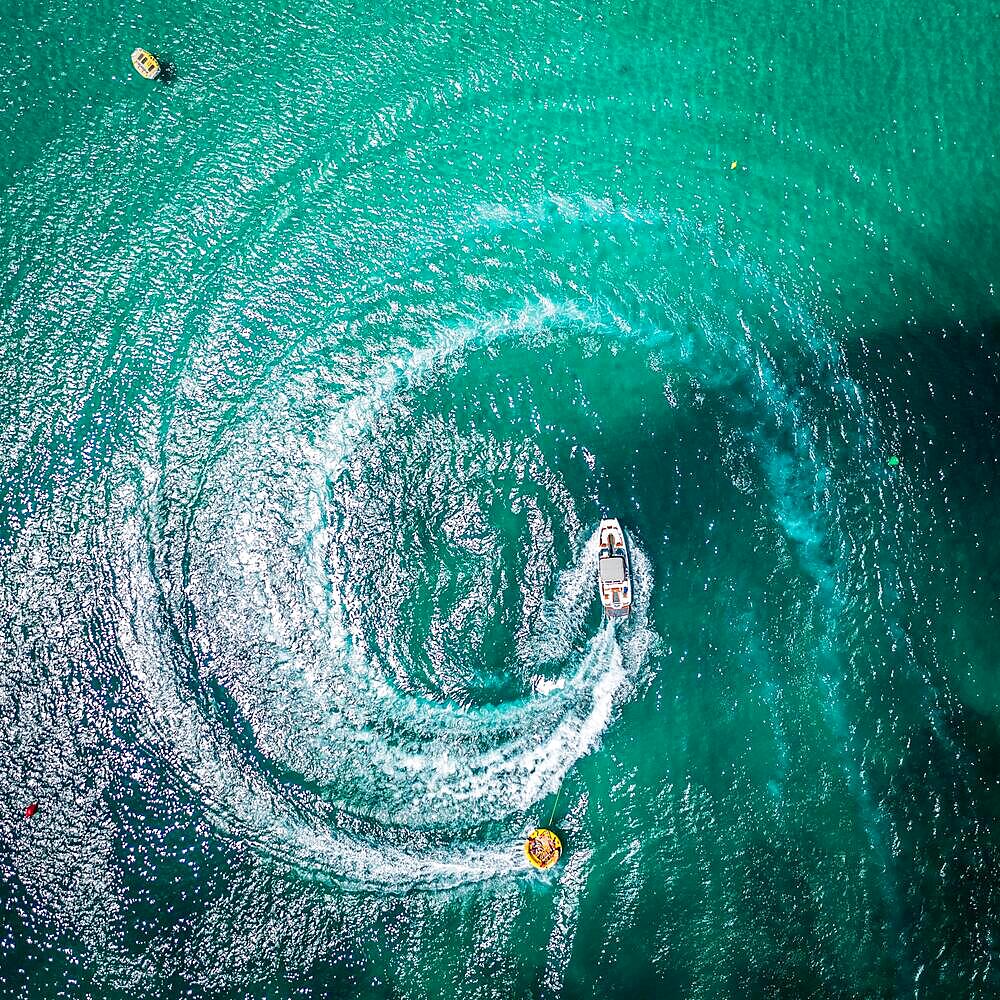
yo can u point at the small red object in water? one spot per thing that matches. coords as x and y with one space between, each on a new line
31 810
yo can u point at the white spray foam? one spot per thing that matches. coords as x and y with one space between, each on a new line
436 766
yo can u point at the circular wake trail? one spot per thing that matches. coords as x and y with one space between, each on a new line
319 720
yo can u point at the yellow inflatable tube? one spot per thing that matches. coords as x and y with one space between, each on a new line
542 848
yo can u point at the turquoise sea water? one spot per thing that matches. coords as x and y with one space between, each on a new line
321 364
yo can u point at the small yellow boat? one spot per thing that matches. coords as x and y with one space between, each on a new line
542 848
146 64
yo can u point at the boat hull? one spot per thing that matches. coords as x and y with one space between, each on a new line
145 64
614 573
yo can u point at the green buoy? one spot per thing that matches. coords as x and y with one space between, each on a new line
893 460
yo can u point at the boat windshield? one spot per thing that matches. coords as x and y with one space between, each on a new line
613 570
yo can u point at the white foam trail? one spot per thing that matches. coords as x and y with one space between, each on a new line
401 777
431 771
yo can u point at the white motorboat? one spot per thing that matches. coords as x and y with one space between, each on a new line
614 576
